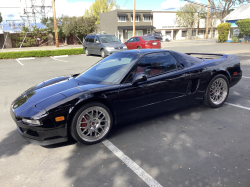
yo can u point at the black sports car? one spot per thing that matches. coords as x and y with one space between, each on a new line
123 86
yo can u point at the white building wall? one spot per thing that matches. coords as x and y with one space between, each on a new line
164 20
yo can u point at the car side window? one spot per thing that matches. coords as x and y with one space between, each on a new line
156 63
91 39
86 39
137 39
131 40
97 40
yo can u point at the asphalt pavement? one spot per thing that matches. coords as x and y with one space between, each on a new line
190 146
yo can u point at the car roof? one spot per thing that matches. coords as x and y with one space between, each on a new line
100 35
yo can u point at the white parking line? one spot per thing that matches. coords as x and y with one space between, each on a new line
246 77
59 60
239 106
132 165
19 62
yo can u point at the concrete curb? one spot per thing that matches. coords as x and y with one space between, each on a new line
31 58
61 56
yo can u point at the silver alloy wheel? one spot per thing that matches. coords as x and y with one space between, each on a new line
102 54
218 91
93 124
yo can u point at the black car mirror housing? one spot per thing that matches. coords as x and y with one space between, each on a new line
139 78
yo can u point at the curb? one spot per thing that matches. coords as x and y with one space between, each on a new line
61 56
31 58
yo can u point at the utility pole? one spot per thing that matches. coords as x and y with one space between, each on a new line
55 24
134 20
207 19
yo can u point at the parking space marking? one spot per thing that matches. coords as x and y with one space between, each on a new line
19 62
132 165
239 106
26 58
61 56
245 77
59 60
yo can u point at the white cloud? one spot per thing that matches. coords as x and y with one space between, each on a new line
76 8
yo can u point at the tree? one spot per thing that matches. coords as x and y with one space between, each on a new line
100 6
1 19
189 16
82 26
244 26
223 30
224 7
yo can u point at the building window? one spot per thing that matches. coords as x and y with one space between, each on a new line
122 19
148 31
184 34
147 18
136 18
194 32
201 32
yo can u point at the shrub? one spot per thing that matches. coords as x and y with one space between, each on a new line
244 26
235 39
223 30
41 53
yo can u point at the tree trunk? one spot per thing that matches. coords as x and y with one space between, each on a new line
65 42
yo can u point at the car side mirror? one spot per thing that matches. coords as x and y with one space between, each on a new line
139 78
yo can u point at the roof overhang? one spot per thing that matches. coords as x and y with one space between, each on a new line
122 14
151 15
139 15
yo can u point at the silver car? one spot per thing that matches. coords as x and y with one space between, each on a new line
102 44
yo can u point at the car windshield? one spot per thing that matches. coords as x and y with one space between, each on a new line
108 39
110 70
148 38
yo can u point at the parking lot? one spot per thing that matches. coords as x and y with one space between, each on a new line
190 146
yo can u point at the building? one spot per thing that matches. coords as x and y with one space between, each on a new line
120 23
242 12
165 22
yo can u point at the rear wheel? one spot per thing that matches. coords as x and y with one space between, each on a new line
86 51
103 53
216 92
92 123
138 47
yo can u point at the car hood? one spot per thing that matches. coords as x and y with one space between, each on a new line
114 44
50 94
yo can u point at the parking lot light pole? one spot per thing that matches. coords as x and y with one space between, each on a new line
134 20
55 24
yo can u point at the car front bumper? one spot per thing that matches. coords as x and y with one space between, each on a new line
39 135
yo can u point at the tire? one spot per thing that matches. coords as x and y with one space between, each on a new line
138 47
217 92
103 53
98 119
86 51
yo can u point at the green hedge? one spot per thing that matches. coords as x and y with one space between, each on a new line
41 53
223 30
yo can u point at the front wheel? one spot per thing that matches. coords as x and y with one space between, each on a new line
92 123
216 92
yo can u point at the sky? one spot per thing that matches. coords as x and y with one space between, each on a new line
77 7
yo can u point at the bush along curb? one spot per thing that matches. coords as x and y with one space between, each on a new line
41 53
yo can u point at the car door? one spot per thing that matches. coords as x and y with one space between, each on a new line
129 43
165 87
97 46
136 42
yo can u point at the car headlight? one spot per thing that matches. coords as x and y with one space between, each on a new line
109 48
32 122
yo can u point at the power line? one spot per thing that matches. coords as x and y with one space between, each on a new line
204 5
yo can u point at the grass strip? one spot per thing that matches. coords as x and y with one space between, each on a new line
40 53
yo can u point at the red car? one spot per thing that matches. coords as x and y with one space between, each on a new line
143 42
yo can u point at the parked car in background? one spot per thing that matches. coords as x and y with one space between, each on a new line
155 35
102 44
166 38
143 42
